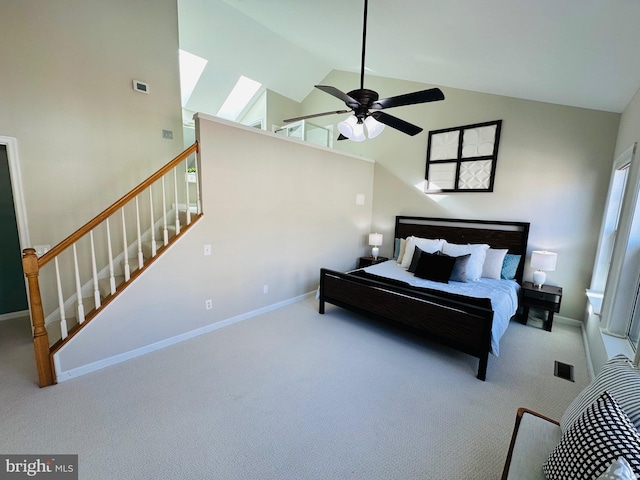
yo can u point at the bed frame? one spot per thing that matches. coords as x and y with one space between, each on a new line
455 322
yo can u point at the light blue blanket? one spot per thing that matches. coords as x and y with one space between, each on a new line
502 293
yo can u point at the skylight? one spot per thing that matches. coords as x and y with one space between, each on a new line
239 98
191 68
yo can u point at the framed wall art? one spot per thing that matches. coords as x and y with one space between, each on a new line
463 159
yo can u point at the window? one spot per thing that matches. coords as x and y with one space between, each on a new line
240 97
610 225
617 269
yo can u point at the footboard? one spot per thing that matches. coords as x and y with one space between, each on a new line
463 326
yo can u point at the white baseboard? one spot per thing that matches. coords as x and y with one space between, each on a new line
12 315
568 321
587 352
62 376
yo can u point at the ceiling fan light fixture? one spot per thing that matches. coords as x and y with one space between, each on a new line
374 127
362 100
351 129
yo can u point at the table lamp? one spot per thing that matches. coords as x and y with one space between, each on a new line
375 240
542 261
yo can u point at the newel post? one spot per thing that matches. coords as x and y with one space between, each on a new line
40 335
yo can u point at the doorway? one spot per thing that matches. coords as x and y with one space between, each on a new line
13 296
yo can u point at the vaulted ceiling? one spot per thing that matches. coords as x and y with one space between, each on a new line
583 53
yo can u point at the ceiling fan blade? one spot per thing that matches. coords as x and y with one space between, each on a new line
351 102
423 96
304 117
342 137
395 122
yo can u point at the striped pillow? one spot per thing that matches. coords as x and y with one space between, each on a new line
618 377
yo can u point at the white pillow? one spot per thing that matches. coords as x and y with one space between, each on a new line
493 261
618 470
428 245
476 261
403 246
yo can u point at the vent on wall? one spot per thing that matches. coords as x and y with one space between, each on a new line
563 370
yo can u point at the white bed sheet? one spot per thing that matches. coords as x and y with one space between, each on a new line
502 293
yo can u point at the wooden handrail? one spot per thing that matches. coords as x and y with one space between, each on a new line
32 264
101 217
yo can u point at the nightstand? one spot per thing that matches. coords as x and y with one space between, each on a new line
546 298
368 261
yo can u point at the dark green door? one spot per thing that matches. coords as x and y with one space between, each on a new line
13 297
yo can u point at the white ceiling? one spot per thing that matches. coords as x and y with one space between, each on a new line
580 53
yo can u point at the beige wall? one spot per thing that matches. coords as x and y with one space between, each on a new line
552 171
628 133
275 212
85 137
256 112
279 108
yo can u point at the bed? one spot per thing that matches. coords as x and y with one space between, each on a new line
467 319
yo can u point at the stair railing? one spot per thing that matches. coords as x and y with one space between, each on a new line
88 254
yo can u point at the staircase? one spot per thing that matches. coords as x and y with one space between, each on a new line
75 280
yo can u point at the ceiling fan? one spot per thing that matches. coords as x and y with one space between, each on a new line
366 105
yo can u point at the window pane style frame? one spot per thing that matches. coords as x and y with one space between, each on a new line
463 159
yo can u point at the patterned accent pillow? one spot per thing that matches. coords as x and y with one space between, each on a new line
510 266
618 377
602 434
618 470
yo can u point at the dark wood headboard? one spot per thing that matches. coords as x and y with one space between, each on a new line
498 234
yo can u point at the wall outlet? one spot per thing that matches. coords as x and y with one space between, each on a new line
208 304
207 250
265 289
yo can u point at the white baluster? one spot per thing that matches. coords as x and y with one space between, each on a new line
165 231
186 178
127 270
78 286
153 229
63 319
198 201
94 270
175 192
140 256
112 277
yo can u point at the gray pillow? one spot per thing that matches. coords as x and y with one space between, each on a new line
459 272
414 261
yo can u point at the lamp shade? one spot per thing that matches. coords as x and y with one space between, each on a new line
375 239
543 260
351 129
374 127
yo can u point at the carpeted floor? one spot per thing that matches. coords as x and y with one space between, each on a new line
289 395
